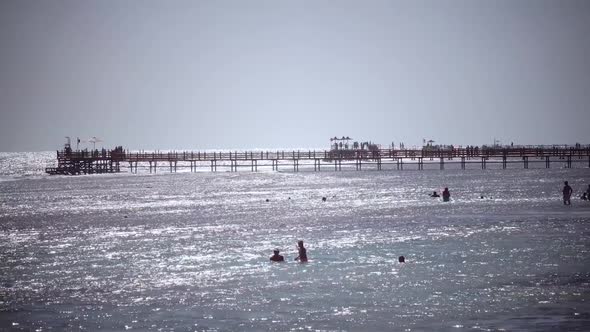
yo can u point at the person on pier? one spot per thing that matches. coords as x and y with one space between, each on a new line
302 258
567 193
446 195
276 257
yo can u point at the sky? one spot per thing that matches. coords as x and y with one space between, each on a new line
273 74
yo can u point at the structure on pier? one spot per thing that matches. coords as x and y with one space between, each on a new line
71 162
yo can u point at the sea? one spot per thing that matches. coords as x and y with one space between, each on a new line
182 251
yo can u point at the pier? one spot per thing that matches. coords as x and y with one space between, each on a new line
71 162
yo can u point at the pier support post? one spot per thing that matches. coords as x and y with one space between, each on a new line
462 162
547 162
442 163
569 161
316 165
526 162
483 163
379 164
504 162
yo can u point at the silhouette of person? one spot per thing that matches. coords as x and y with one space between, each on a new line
324 199
567 193
446 195
434 194
276 257
401 259
584 197
302 258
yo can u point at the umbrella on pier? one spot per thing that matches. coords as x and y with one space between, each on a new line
94 140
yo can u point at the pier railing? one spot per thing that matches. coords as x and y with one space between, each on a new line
324 154
105 161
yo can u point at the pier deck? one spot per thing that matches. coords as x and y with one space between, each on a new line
89 162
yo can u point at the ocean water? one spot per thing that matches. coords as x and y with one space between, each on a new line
190 251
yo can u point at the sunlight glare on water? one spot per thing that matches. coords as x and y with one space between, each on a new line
191 251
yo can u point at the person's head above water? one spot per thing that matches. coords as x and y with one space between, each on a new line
300 243
276 257
565 183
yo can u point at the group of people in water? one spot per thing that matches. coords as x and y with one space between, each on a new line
302 257
568 191
567 194
446 195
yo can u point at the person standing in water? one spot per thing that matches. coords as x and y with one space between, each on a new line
302 258
446 195
567 194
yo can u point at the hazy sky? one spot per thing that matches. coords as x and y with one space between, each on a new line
269 74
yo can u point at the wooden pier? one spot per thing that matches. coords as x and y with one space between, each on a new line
71 162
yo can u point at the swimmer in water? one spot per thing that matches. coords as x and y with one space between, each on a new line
302 258
434 194
276 257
